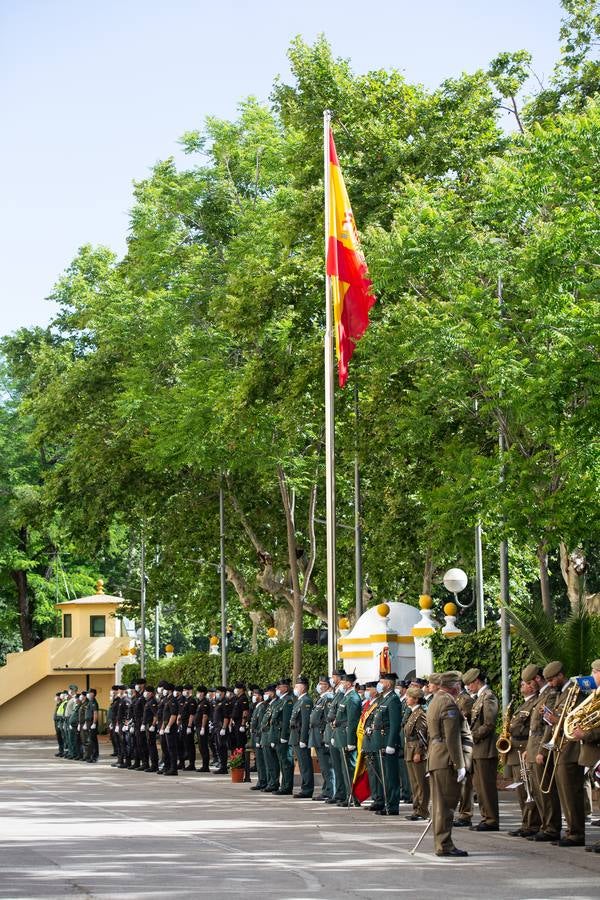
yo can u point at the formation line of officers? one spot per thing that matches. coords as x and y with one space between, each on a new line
431 742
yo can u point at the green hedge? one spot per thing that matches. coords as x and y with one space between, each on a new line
481 650
261 668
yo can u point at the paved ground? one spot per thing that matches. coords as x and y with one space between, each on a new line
68 829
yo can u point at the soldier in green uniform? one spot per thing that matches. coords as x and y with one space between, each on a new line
268 747
259 708
464 815
485 755
299 733
515 759
366 723
344 734
280 734
336 759
316 737
385 741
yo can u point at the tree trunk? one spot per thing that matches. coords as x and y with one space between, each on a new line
428 572
294 573
19 576
572 566
283 619
542 555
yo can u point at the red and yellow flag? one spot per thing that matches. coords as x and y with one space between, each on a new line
346 267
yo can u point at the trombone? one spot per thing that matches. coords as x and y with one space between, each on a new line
555 744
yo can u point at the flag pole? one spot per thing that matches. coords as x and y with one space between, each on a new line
332 651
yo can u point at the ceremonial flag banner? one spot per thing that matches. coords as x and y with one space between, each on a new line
346 268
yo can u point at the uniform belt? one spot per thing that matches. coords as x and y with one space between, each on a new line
437 740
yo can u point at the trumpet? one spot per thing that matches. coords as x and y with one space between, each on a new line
524 771
586 716
557 740
504 743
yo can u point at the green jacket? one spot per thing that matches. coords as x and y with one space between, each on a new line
387 721
258 714
280 718
265 725
318 722
331 714
346 720
300 720
368 744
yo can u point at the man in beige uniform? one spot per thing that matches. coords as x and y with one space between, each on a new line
519 735
569 774
465 701
445 762
415 753
548 805
485 755
589 753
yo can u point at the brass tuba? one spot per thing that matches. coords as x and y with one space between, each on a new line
586 716
504 743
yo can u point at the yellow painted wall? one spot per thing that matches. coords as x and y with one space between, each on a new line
80 616
30 713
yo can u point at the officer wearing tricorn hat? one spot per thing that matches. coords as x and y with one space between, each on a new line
299 734
384 743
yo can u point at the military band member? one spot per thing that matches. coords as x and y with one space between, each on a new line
344 739
589 753
415 752
516 766
569 774
299 733
280 734
335 756
383 745
268 747
464 815
445 762
259 707
485 754
316 737
547 803
201 724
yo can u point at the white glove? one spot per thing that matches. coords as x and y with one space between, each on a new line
125 727
168 730
85 727
461 774
332 742
222 732
351 747
302 745
152 728
93 726
202 732
117 729
242 729
272 744
188 730
282 741
142 727
257 746
162 731
390 751
79 728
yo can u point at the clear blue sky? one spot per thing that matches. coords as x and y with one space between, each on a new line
94 93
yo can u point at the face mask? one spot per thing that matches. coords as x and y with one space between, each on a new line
397 691
89 696
176 693
130 693
146 695
340 688
137 687
256 698
296 692
278 693
218 695
379 688
329 694
320 689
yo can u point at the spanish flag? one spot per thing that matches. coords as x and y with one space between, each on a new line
347 270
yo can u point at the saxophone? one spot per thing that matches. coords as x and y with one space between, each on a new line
504 743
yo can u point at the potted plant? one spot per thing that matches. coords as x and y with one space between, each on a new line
236 764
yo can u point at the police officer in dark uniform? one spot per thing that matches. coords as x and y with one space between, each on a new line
137 714
124 722
148 751
188 714
91 727
115 705
240 715
201 723
110 721
221 720
170 714
299 732
316 736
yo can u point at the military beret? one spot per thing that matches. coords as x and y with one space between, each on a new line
73 687
149 687
530 672
240 684
258 689
434 678
202 689
349 676
449 678
391 676
415 692
302 679
270 687
553 669
339 672
286 681
471 675
371 684
324 679
596 665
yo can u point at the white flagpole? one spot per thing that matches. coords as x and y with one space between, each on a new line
332 650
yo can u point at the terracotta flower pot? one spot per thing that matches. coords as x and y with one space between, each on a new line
237 774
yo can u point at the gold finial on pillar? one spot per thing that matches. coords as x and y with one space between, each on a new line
100 586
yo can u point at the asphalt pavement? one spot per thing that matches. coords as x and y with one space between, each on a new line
68 829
